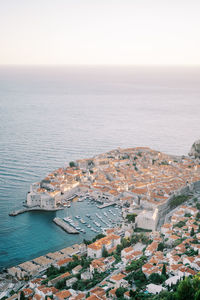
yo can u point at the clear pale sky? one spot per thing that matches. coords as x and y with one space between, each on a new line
100 32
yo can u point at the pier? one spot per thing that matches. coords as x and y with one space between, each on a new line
106 204
66 227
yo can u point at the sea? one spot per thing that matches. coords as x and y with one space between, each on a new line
51 115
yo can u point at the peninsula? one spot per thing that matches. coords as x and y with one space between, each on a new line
140 180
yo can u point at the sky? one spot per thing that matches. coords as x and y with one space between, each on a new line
100 32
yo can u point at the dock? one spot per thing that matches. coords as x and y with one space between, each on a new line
66 227
106 204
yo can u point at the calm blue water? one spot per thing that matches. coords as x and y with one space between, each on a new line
50 116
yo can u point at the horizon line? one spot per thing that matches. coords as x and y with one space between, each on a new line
100 65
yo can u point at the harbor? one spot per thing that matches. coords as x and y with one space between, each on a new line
49 237
86 217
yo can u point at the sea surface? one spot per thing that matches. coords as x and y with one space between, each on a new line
52 115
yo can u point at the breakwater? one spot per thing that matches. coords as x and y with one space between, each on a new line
23 210
66 227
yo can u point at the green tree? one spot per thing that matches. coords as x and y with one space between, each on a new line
196 283
22 296
197 295
185 290
131 217
72 164
155 278
75 257
52 271
132 293
119 249
61 284
198 206
198 215
164 270
161 247
120 292
192 232
125 242
139 278
105 252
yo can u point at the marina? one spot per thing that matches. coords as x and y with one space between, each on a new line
95 221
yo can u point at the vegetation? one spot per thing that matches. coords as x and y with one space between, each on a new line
53 272
164 162
105 252
187 215
180 224
22 296
157 278
85 262
131 217
61 284
192 232
125 156
140 238
161 247
153 161
198 216
188 289
88 284
185 290
178 200
97 237
164 270
120 292
136 264
72 164
139 279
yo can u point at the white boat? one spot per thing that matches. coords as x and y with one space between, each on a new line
68 219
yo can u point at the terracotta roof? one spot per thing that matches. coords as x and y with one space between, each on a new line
63 294
103 241
64 261
117 277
